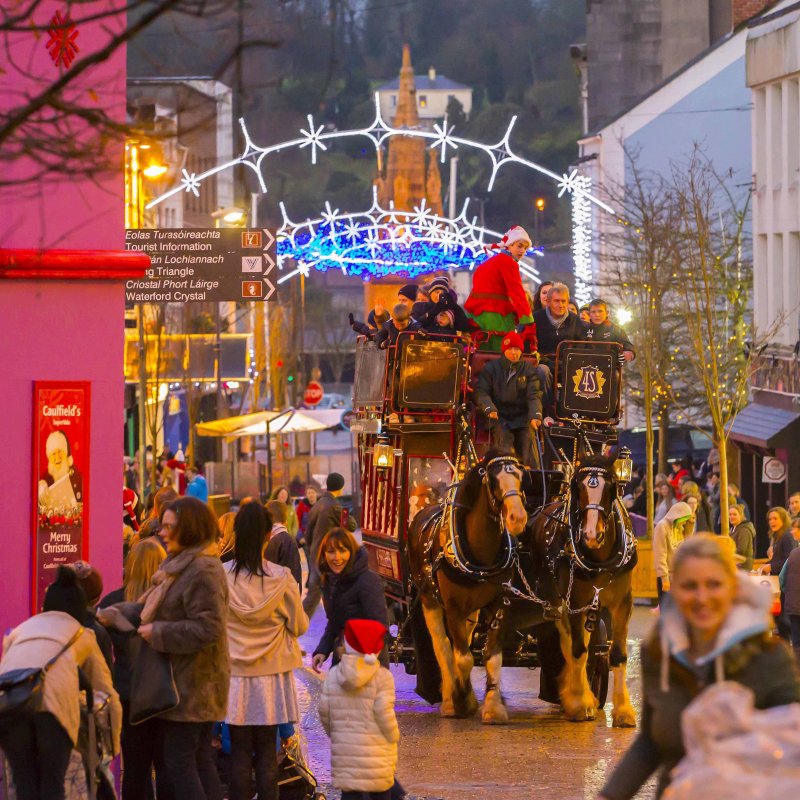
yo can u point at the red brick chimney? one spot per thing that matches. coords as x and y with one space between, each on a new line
746 9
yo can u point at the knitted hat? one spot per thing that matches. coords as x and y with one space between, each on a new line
89 579
511 340
364 637
334 482
443 284
65 594
512 235
409 291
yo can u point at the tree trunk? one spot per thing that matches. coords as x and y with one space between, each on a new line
649 442
722 444
663 439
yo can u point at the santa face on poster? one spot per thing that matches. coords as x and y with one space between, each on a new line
61 449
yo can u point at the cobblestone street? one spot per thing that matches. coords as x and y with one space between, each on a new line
537 755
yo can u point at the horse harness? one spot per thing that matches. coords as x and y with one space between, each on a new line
451 538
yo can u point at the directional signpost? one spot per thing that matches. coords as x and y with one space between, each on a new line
203 264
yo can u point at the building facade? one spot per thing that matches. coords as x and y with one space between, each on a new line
768 429
432 94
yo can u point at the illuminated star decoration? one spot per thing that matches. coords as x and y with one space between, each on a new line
389 249
61 44
385 241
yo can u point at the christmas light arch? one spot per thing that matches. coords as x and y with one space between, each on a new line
380 241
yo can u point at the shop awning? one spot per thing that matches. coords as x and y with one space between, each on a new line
765 426
289 421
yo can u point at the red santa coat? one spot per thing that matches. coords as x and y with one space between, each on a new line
497 288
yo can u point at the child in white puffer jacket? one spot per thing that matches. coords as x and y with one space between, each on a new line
357 712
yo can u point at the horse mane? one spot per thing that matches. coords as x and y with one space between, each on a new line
597 460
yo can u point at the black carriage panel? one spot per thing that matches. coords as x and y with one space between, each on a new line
430 374
541 486
370 375
589 378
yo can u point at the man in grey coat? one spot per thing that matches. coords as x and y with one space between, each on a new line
509 394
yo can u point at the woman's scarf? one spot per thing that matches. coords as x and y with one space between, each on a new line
166 575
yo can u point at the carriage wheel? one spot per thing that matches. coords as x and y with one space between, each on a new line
597 665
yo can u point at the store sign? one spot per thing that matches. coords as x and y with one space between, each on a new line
773 470
203 265
60 480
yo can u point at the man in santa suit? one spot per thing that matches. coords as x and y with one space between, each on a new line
497 301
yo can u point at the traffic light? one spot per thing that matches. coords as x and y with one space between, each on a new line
279 363
290 378
540 203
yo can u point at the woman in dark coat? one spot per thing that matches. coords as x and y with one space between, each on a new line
714 625
185 616
350 590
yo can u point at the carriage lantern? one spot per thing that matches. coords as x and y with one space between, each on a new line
383 455
623 466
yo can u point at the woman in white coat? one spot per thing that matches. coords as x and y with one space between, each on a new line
38 745
357 712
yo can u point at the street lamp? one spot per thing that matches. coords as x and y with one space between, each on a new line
232 215
539 204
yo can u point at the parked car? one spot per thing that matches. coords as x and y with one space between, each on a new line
684 440
334 400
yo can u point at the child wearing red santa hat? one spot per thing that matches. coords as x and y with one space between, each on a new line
357 712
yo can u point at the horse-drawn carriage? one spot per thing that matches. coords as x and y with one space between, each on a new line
485 560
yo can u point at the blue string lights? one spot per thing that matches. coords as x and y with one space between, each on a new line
381 242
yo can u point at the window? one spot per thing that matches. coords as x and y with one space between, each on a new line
394 100
423 101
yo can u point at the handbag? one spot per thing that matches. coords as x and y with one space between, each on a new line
21 689
153 689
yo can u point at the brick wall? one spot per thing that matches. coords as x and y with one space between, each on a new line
745 9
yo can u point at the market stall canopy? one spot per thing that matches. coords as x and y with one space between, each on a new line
289 421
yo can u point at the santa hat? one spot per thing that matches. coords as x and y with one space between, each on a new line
511 340
129 502
515 234
364 637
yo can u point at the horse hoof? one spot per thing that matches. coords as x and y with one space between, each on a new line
624 718
494 715
581 714
447 709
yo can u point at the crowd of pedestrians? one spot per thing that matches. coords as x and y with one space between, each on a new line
201 637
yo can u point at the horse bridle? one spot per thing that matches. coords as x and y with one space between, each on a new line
594 473
510 464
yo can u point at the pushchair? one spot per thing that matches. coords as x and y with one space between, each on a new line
88 774
295 779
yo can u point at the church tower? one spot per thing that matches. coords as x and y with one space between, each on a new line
412 171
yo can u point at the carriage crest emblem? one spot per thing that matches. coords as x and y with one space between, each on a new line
589 382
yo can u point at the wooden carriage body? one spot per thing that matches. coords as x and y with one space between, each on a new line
411 407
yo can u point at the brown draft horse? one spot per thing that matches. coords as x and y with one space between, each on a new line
584 540
486 510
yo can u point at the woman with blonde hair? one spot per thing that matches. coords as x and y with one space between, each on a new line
714 626
292 523
227 539
695 497
138 741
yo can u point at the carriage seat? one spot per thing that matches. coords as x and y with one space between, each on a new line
478 361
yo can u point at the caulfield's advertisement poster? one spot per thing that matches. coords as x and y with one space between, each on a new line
60 479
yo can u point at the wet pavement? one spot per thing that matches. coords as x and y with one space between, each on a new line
537 755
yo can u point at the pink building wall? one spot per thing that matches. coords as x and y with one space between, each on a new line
59 210
59 330
54 329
